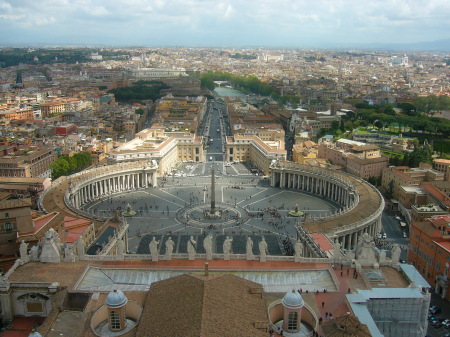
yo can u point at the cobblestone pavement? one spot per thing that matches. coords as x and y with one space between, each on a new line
248 207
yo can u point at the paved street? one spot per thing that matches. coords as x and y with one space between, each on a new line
394 234
445 313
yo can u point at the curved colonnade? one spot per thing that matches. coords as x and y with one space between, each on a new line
122 177
360 211
361 203
91 184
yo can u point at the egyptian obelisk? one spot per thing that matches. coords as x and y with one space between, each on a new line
213 193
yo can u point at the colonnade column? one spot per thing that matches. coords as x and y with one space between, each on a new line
354 239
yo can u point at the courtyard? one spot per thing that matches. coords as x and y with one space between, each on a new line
246 203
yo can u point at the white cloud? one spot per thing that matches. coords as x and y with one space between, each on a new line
354 20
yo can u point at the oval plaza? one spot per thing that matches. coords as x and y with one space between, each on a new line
345 207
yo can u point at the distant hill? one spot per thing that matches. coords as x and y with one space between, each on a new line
437 45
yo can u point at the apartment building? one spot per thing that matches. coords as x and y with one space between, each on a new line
442 165
24 114
253 150
304 151
15 217
26 161
394 177
429 251
166 148
359 159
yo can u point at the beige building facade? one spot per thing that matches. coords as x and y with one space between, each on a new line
252 149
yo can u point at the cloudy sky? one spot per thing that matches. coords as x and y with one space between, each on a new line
240 23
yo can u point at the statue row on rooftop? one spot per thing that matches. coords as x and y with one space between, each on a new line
52 250
191 248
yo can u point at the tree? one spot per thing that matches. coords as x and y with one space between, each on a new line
378 124
84 159
59 168
408 109
390 191
372 180
73 164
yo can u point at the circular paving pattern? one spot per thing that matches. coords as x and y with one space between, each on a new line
197 216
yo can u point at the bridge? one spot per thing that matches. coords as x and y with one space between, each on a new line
219 83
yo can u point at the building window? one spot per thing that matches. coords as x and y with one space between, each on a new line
292 321
114 320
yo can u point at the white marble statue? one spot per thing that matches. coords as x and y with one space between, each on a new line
395 253
227 248
169 248
120 248
337 249
51 250
262 250
69 256
207 244
154 249
249 249
298 248
191 248
23 250
80 247
365 250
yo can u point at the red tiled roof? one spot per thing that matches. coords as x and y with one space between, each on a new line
42 221
322 241
441 220
71 222
437 193
445 245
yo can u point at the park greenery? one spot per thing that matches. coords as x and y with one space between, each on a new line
243 56
248 84
139 91
66 165
17 56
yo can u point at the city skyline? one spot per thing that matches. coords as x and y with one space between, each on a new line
201 23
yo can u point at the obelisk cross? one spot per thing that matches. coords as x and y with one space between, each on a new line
213 193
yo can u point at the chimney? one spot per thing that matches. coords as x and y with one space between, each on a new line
206 269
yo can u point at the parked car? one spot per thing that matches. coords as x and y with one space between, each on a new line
431 318
437 324
446 323
405 235
434 309
384 235
397 218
